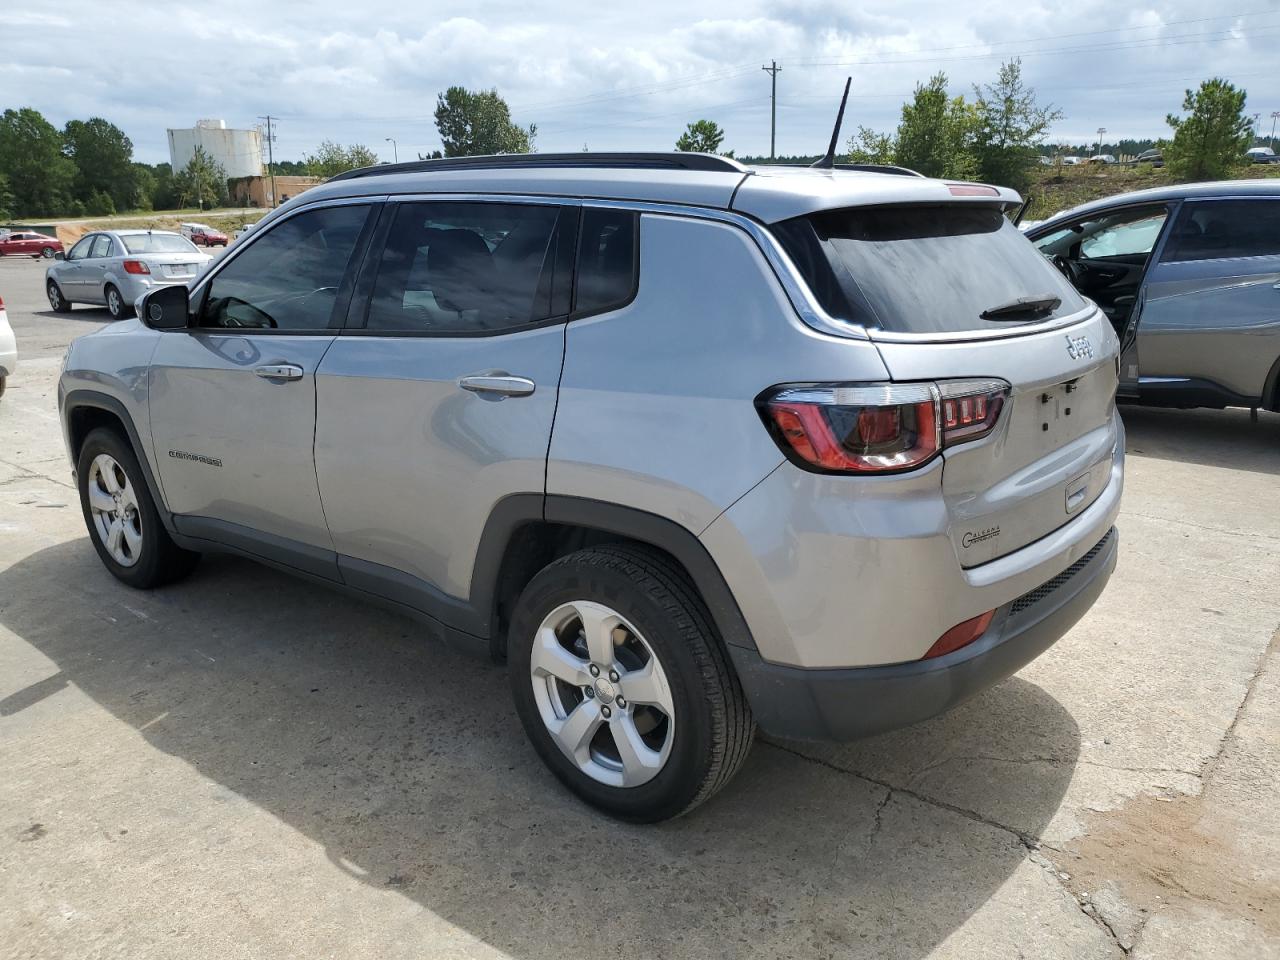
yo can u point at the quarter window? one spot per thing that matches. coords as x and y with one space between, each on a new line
288 279
1209 230
607 261
465 267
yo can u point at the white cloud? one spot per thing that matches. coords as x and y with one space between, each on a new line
615 77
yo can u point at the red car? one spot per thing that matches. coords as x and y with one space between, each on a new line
32 244
203 236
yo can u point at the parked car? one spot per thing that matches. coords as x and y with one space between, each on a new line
28 243
202 235
1153 157
1187 277
1071 161
1261 155
1106 158
624 422
117 267
8 349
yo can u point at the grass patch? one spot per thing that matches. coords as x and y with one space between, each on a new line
1054 189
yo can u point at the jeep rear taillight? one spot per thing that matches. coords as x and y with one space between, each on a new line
878 428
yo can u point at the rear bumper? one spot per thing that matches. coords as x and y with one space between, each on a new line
846 704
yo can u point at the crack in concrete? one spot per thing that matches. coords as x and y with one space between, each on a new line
1031 844
1210 766
1052 761
1247 534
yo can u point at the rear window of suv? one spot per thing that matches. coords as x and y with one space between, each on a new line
923 268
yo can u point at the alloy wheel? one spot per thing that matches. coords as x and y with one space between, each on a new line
602 694
114 304
114 508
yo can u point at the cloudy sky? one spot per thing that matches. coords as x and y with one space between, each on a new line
624 77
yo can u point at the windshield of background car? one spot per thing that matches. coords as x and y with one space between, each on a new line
923 268
1122 233
157 243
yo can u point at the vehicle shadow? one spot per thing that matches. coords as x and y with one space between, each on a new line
406 762
1215 438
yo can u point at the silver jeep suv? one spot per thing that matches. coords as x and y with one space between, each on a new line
693 447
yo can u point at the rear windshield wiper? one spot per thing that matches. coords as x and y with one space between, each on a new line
1036 303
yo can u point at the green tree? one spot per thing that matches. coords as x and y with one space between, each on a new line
937 132
1212 139
40 177
202 182
103 156
6 199
331 159
478 122
871 146
1009 126
701 136
164 192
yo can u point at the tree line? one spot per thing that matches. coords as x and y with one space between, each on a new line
1000 134
995 135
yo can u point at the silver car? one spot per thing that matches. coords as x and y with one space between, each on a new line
1187 275
693 447
114 268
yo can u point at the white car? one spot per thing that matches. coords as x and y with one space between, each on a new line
8 348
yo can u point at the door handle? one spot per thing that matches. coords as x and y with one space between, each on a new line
498 384
279 371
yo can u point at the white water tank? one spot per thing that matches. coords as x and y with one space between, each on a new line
238 151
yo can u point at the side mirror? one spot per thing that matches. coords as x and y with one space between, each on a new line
59 255
165 308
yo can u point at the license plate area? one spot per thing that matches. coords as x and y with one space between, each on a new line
179 271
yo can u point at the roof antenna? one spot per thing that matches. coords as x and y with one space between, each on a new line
828 162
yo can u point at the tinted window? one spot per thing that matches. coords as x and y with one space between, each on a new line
462 267
288 279
922 269
1207 230
101 247
81 249
157 243
607 261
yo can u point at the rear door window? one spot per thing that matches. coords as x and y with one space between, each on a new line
468 267
1213 229
924 268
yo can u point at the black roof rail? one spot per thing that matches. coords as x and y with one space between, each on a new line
675 160
888 168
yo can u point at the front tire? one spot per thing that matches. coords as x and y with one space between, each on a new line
622 685
57 301
123 522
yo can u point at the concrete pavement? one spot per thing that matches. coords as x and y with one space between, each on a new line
245 765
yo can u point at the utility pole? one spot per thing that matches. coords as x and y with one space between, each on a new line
772 70
395 151
1274 114
1098 149
271 159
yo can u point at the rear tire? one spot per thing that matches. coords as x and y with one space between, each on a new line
116 306
122 519
641 605
47 253
57 301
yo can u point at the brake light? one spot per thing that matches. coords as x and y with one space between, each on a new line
972 190
857 429
961 635
136 266
878 428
